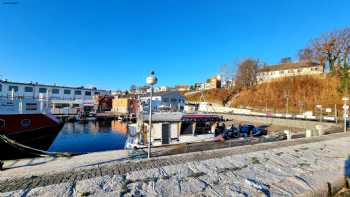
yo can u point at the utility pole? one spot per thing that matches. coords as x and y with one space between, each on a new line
287 104
335 114
345 110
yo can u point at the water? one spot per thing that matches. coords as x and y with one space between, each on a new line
91 136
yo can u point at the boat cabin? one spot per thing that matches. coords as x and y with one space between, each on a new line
172 128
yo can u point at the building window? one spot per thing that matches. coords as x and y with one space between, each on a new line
166 100
31 106
281 72
0 87
77 92
173 100
28 89
42 90
299 70
66 91
55 91
97 93
87 93
14 88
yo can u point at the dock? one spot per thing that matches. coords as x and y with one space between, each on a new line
314 166
116 116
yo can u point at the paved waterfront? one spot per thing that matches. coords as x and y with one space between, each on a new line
279 122
277 168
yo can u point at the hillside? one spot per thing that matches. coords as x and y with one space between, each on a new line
217 96
304 93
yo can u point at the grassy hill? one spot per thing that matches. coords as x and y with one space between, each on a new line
217 96
304 93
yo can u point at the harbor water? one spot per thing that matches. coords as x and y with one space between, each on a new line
91 136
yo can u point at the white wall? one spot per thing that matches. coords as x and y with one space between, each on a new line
71 98
270 75
35 93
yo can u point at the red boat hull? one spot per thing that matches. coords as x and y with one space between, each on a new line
34 130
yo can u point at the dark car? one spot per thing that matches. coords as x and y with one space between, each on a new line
233 132
251 130
246 129
259 131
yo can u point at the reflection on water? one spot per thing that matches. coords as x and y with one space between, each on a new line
91 136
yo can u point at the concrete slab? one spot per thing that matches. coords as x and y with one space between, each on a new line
287 168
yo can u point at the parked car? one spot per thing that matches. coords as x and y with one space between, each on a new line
259 131
251 130
233 132
246 129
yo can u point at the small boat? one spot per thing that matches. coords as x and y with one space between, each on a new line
29 125
173 128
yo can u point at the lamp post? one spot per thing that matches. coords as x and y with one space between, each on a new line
345 110
150 80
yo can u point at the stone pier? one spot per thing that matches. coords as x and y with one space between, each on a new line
305 167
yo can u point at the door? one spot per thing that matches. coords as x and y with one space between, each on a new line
165 133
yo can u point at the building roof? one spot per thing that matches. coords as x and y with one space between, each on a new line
286 66
52 86
161 93
179 116
182 86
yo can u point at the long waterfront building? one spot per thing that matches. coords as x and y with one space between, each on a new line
63 99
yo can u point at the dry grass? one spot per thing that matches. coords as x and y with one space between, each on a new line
304 93
218 96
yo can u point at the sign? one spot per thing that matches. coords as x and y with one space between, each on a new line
328 110
319 106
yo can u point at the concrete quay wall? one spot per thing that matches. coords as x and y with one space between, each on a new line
306 167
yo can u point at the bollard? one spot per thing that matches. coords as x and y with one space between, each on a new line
320 130
288 134
308 133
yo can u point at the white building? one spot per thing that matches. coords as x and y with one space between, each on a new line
63 99
173 101
272 72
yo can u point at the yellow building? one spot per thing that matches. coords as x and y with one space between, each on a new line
124 105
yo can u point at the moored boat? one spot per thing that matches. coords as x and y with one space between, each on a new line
28 126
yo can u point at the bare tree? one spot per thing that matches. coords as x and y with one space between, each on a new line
327 50
246 74
225 72
344 44
306 55
343 60
286 60
330 49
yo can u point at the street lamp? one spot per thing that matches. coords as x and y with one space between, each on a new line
150 80
345 110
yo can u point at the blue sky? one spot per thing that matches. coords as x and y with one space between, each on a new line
113 44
